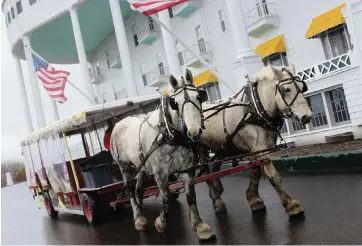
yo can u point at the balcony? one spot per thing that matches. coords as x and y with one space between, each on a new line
157 77
325 68
261 18
97 76
187 59
114 61
185 9
148 33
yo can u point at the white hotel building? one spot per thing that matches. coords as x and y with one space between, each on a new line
125 54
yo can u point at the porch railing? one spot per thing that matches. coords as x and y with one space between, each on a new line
114 58
200 47
327 67
155 73
122 94
260 11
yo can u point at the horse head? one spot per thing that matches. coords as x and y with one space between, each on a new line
288 91
187 100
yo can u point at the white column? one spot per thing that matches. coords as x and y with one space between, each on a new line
24 97
123 48
81 52
34 84
239 30
170 44
54 110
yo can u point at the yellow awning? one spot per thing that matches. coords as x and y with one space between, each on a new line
271 46
204 78
326 21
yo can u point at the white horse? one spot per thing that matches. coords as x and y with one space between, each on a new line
134 137
274 94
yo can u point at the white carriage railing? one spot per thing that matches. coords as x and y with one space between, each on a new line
155 73
327 67
200 47
260 11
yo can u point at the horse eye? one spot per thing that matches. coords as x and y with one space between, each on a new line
287 90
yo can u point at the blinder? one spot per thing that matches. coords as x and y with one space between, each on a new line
173 104
202 96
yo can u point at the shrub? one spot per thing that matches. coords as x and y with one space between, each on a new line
17 170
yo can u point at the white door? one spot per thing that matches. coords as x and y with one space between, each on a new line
200 38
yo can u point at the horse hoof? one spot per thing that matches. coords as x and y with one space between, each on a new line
160 224
204 232
219 206
294 209
256 205
141 224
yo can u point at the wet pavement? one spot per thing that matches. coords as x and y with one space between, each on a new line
332 203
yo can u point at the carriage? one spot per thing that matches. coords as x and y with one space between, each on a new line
68 169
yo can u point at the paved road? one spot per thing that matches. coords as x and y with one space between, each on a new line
333 205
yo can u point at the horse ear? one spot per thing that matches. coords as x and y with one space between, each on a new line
173 81
188 76
292 68
276 72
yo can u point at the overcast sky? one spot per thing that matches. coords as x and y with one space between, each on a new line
13 122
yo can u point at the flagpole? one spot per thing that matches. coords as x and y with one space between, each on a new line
75 87
205 63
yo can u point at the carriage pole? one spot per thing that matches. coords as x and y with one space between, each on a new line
205 63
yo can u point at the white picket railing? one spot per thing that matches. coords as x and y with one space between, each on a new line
260 11
200 47
327 67
121 94
114 58
156 73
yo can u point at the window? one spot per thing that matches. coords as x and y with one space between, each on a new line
107 58
170 12
160 66
144 76
277 59
19 7
262 8
319 118
12 13
180 54
338 105
284 128
222 20
135 37
297 126
336 41
151 24
9 18
213 91
200 37
31 2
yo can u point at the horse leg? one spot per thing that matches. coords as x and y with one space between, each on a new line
252 194
161 179
215 191
140 221
202 229
292 206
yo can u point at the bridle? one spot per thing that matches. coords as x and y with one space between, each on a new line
259 108
202 97
292 79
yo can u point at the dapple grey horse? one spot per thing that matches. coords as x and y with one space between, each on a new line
281 95
184 108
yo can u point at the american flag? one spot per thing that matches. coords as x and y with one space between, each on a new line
52 80
149 7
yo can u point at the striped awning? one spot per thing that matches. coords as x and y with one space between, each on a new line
325 21
204 78
274 45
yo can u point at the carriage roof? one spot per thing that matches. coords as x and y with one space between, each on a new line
96 114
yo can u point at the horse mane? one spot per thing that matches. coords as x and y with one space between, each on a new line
266 73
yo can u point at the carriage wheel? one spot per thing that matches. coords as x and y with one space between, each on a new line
49 205
90 209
